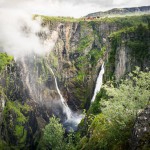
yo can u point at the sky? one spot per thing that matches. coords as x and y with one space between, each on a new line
74 8
18 31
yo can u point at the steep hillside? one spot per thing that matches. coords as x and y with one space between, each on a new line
35 87
121 11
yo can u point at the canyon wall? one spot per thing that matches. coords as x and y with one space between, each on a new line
28 94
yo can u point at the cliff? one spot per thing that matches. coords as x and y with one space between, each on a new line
28 93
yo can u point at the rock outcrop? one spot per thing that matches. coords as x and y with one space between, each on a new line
28 93
141 132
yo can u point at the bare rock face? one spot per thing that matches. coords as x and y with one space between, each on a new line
121 63
141 132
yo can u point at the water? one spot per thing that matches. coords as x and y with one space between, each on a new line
98 83
65 106
73 119
73 122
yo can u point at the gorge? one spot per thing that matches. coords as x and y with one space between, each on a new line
64 77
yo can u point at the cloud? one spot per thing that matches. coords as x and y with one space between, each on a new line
19 34
19 31
76 8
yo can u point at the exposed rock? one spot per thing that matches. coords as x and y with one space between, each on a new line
141 132
80 49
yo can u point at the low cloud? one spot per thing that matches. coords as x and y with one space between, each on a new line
69 7
18 32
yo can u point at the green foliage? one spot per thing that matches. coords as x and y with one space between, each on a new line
127 21
59 19
84 43
4 146
53 137
95 106
118 108
17 108
4 60
95 54
17 124
20 133
140 45
110 64
82 64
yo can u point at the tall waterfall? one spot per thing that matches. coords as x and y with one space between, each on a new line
65 106
98 82
73 119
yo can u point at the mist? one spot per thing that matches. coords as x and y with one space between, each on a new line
19 31
19 34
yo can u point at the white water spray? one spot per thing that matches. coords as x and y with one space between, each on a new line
98 82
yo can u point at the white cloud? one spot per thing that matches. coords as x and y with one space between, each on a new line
74 8
19 34
15 14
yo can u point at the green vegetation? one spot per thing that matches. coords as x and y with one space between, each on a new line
4 145
53 134
108 122
127 21
4 60
82 64
53 137
84 43
138 44
57 19
16 124
115 110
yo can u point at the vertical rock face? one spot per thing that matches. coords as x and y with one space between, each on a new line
71 60
128 49
141 132
121 59
29 96
28 99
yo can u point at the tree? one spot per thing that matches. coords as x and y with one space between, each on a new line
116 111
53 135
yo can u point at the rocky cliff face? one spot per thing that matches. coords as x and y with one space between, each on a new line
141 133
28 93
130 48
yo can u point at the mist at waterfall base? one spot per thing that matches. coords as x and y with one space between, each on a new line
73 118
73 121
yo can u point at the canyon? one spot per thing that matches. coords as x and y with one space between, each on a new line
64 82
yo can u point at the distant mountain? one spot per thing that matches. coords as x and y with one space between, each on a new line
120 11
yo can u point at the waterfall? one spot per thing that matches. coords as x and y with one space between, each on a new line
66 107
98 82
25 69
73 119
